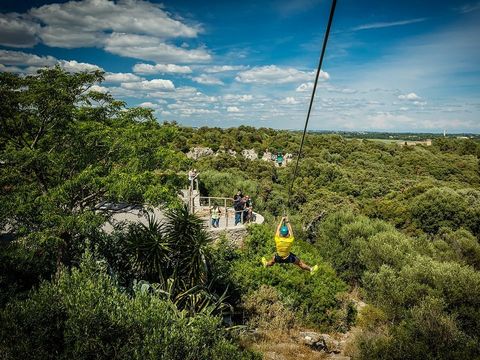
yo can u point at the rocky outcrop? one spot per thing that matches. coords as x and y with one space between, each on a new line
267 156
287 158
234 235
320 342
249 154
199 152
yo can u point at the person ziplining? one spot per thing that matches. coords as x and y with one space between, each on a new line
283 242
284 234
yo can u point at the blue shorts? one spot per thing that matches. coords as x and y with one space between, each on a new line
290 259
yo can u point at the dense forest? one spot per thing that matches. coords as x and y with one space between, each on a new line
400 231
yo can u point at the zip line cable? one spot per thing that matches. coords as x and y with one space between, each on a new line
325 40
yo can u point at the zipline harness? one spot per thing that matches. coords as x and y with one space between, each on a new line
325 40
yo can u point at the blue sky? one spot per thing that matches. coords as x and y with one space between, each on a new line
389 66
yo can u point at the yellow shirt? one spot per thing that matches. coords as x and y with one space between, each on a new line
283 244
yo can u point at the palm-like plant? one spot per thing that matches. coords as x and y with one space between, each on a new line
151 249
187 235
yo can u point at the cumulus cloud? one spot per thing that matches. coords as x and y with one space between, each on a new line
21 58
207 80
11 69
29 63
305 87
420 103
82 21
224 68
237 98
75 66
150 105
232 109
147 69
153 49
147 85
272 74
121 78
98 88
289 100
16 31
411 96
132 28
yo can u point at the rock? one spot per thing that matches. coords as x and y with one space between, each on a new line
331 345
231 152
250 154
199 152
359 304
320 342
267 156
287 158
312 339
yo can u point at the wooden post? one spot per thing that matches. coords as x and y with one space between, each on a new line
226 212
210 211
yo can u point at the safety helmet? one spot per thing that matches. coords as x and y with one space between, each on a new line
284 230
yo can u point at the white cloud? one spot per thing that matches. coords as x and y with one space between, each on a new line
272 74
223 68
30 63
155 84
25 59
80 22
237 98
207 80
380 25
420 103
121 77
65 38
98 88
289 101
18 32
153 49
233 109
75 66
148 69
12 69
132 28
150 105
305 87
183 92
410 96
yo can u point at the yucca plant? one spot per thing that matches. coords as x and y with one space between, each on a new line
151 248
188 238
198 299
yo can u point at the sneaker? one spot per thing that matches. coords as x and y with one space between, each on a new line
264 261
314 269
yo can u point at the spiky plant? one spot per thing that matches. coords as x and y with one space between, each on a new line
151 248
188 238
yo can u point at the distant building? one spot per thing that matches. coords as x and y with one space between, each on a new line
427 142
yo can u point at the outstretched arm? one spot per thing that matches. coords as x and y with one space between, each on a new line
277 233
290 231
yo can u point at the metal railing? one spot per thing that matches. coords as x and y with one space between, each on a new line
226 208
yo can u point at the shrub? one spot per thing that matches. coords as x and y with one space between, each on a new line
83 315
311 297
439 207
341 239
264 309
